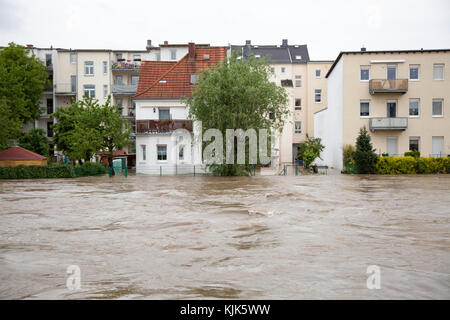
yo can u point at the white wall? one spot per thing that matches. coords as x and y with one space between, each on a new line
144 109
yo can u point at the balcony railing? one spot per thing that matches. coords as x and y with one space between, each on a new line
162 126
388 124
65 89
126 66
388 86
124 89
128 114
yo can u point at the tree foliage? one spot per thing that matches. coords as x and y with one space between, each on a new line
22 80
86 127
309 150
35 140
238 94
10 127
365 156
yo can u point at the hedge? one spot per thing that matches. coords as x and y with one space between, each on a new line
90 169
411 165
36 172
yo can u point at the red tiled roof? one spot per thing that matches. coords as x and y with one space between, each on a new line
176 75
19 153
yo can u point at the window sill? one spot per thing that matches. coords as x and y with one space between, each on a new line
88 75
414 117
364 117
438 116
438 79
414 80
364 80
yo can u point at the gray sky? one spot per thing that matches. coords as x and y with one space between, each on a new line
327 27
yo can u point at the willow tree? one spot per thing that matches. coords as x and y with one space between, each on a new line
238 94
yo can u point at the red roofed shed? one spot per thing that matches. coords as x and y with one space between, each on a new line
16 156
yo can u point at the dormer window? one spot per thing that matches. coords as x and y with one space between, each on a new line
162 81
298 57
257 56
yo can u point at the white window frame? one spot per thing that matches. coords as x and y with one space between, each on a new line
283 70
105 91
392 66
89 67
298 81
73 58
90 90
443 69
144 152
173 54
414 138
320 73
364 68
105 67
121 80
315 95
296 130
418 72
167 154
442 108
134 77
418 107
364 101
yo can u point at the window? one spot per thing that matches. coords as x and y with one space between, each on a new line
414 72
89 68
414 143
298 127
413 107
181 153
164 114
119 103
318 95
391 108
392 146
173 54
73 83
144 152
105 91
49 129
298 57
118 56
364 109
437 146
48 60
105 67
298 102
89 90
286 83
317 73
438 72
272 70
298 81
162 152
137 57
283 70
119 80
391 72
49 106
193 79
134 80
438 107
158 56
365 73
73 58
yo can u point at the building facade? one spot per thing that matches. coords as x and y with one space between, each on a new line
166 139
399 96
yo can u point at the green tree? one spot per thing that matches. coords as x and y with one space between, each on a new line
86 127
10 127
238 94
35 140
22 81
309 150
365 156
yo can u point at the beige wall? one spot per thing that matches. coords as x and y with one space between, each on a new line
316 83
426 89
15 163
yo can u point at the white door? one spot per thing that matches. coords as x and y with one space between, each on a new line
437 146
391 146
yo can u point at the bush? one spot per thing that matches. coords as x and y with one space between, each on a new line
414 154
37 172
349 162
411 165
90 169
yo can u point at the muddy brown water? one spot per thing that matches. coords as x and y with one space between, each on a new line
233 238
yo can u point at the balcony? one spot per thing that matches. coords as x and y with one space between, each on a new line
65 89
162 126
388 124
122 66
124 89
129 114
388 86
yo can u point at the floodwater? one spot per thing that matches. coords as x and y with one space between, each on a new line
231 238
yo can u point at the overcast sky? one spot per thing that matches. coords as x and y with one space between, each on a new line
327 27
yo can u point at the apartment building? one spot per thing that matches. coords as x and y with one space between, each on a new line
305 84
160 110
401 96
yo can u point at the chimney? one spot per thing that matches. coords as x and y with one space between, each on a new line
248 42
284 43
149 45
363 49
191 46
166 42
